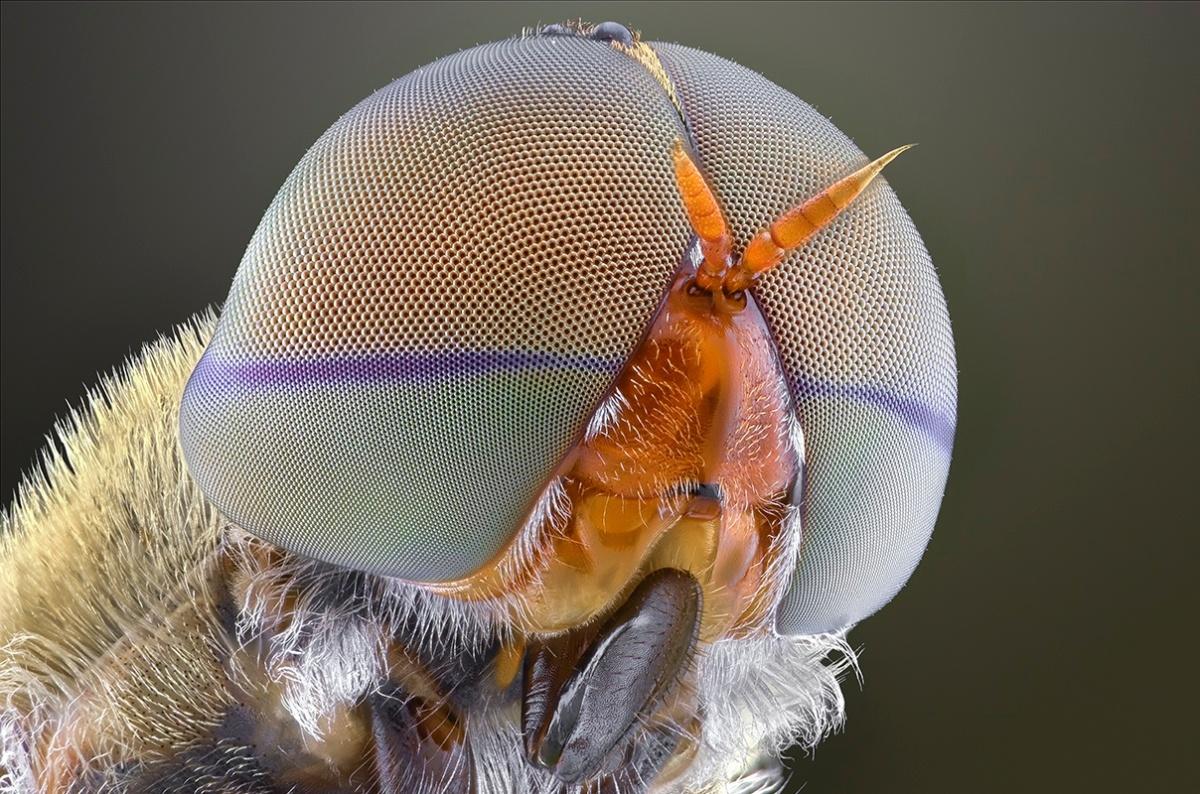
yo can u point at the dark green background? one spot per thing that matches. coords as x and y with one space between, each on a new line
1046 641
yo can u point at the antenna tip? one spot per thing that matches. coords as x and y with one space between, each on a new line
892 155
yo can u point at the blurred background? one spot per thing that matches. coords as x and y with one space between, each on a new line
1043 642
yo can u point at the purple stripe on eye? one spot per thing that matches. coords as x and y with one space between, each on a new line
413 367
391 367
932 422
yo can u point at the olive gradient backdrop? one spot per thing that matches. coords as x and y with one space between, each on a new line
1043 644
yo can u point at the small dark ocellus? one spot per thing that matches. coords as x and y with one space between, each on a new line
574 397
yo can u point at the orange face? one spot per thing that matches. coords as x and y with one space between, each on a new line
690 468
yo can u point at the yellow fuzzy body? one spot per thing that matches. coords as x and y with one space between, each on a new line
107 559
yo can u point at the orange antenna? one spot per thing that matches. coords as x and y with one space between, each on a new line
796 226
704 214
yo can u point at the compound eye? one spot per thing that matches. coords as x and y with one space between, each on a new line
420 328
874 481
